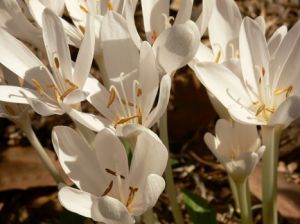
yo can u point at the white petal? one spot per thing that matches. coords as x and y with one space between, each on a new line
164 96
120 52
99 97
93 122
78 160
234 65
184 12
109 210
173 53
254 51
10 78
262 24
204 18
45 108
76 201
74 35
36 9
14 21
224 27
76 12
244 115
129 132
153 20
75 96
287 112
218 106
85 55
275 40
111 155
153 188
148 79
56 41
204 54
98 19
57 6
223 83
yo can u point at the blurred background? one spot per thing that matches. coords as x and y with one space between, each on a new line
28 194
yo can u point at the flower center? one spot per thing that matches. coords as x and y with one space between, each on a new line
235 54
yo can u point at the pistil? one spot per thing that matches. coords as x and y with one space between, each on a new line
131 195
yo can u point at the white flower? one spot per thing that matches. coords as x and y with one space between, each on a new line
267 92
238 148
64 85
20 21
108 191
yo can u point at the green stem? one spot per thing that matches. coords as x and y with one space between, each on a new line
271 138
100 61
27 129
234 193
149 217
163 129
246 212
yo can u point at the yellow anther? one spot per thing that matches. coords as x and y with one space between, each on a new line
233 157
6 81
124 102
50 86
270 110
108 189
131 195
70 83
84 9
127 119
289 92
116 122
10 110
38 86
31 20
263 70
255 103
239 56
112 97
154 37
218 57
260 110
113 173
279 91
56 62
110 7
82 29
140 116
57 94
68 92
22 9
139 92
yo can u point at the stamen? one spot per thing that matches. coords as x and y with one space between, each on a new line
127 119
38 86
114 173
112 97
140 116
289 91
233 157
70 83
260 110
131 195
57 94
154 37
279 91
124 102
22 9
167 20
31 20
218 57
124 93
50 86
270 110
56 62
139 92
84 9
110 7
108 189
68 92
255 103
232 48
237 53
116 122
220 48
82 29
10 110
263 70
6 81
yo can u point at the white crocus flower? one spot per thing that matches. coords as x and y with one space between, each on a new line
267 94
109 191
134 82
19 21
238 148
64 85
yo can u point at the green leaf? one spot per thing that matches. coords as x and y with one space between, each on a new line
198 208
128 151
67 217
174 161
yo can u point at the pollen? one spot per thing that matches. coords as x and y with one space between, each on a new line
140 116
112 97
154 37
84 9
82 29
279 91
10 110
255 103
57 94
233 157
260 110
56 62
127 119
218 57
110 7
139 92
108 189
289 91
116 122
38 86
131 195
